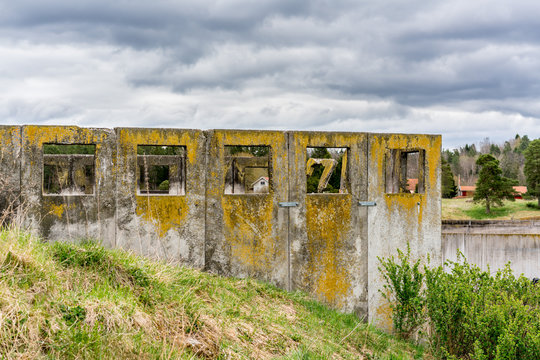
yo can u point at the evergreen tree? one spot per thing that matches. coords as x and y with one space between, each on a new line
494 150
507 147
319 153
523 144
449 188
532 168
492 188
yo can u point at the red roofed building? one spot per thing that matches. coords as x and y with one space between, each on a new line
520 190
411 185
468 191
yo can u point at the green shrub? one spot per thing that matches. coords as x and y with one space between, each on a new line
403 289
474 314
533 206
470 313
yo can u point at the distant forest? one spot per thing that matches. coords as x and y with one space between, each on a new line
510 155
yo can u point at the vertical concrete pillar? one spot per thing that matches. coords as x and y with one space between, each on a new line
246 233
10 170
401 217
328 231
66 216
168 224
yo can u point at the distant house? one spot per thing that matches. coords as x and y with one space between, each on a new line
520 190
260 185
468 191
411 185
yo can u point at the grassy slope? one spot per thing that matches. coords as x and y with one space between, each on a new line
465 209
66 301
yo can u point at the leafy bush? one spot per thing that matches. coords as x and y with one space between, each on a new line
533 206
472 314
403 289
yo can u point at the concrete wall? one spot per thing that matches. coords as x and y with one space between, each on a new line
328 232
322 243
69 217
494 244
165 226
246 234
10 168
401 218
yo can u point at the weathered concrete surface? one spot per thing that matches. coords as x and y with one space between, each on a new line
328 232
246 234
495 243
10 170
65 217
170 227
327 245
401 218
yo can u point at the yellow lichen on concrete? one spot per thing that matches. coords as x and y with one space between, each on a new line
251 235
328 225
38 135
35 135
164 212
130 138
406 204
431 145
57 210
384 315
10 137
6 135
380 144
248 230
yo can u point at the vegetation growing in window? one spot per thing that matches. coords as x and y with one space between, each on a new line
161 169
326 170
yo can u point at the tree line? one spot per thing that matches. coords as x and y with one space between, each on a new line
494 169
510 155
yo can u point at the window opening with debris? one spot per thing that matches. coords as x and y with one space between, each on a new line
247 169
161 169
68 169
326 170
405 171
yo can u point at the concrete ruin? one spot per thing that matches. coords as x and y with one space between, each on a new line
162 193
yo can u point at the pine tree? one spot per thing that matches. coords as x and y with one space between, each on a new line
449 188
532 168
492 188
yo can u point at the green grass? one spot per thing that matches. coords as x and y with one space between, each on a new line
83 301
466 209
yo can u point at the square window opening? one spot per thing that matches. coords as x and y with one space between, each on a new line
247 169
405 171
161 170
68 169
326 170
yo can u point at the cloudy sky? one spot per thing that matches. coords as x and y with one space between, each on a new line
464 69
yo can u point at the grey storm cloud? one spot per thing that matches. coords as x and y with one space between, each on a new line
335 65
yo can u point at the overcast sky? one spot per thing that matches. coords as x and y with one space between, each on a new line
464 69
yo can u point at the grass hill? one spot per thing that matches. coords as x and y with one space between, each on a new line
85 302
